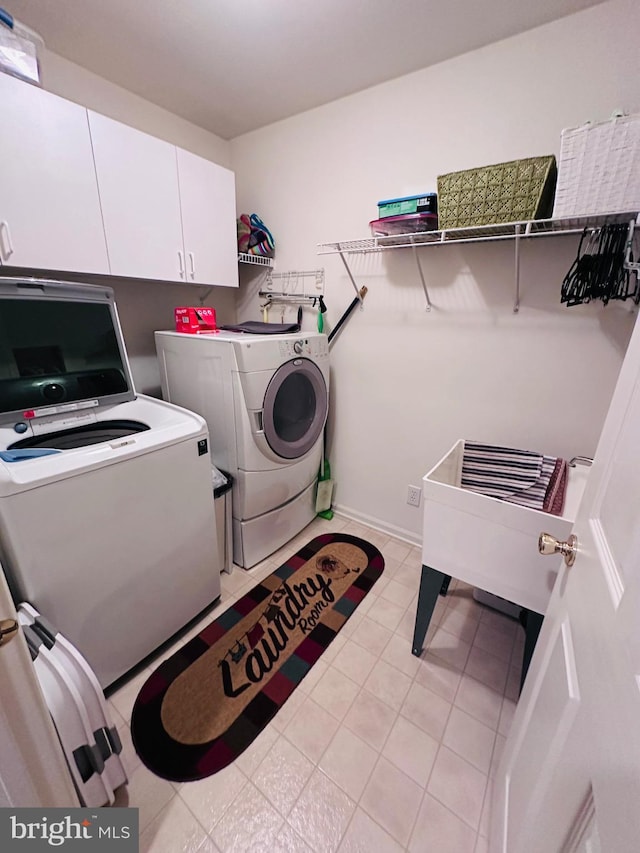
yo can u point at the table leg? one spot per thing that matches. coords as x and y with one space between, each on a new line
444 589
431 584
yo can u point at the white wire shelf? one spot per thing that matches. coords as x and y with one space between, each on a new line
515 231
257 260
480 233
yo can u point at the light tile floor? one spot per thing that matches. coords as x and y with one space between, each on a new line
376 750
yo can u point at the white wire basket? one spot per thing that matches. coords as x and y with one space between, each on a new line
599 168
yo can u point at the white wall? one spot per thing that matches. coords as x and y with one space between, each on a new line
65 78
144 306
406 383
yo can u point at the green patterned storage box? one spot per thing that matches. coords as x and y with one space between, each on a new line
506 192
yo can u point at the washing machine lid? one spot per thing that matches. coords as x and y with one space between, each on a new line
127 430
61 349
295 409
81 436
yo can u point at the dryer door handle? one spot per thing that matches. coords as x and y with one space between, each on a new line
259 421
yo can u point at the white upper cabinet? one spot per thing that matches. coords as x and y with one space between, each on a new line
138 183
83 193
49 207
208 202
168 214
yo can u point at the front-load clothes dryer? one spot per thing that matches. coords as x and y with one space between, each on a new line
107 516
265 399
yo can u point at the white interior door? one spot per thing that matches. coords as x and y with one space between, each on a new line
569 779
33 770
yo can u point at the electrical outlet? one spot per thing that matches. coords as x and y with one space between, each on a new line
413 495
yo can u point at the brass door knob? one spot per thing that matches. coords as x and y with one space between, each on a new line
8 630
548 544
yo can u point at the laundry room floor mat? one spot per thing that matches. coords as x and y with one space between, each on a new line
205 704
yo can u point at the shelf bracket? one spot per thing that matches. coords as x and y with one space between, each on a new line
351 278
421 274
516 304
632 266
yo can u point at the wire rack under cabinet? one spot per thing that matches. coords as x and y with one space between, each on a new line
296 286
257 260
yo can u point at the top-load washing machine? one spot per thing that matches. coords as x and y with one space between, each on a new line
265 398
107 517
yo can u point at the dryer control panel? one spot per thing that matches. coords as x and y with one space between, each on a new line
312 347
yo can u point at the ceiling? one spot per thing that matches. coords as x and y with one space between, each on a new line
232 66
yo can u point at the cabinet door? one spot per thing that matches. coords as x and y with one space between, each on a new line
208 203
49 206
138 184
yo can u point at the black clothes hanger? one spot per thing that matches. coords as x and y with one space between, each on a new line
598 271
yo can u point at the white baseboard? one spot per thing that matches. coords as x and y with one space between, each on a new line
408 536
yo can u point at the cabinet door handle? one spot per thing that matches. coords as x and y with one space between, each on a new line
6 246
193 266
180 264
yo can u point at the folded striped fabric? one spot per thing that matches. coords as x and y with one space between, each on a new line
521 477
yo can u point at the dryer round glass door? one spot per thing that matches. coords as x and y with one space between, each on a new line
295 408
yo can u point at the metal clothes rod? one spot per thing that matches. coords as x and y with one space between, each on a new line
270 296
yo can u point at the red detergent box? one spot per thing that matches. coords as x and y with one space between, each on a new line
195 321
